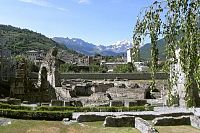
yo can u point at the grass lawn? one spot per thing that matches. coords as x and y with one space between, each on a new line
177 129
29 126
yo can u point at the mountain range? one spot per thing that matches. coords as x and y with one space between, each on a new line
118 48
86 48
21 40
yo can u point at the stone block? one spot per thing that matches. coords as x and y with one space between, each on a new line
143 126
141 102
57 103
66 120
101 87
120 85
5 121
82 89
171 121
78 104
128 103
116 103
119 121
195 121
44 104
90 118
66 103
25 102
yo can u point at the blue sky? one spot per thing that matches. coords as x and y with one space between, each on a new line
96 21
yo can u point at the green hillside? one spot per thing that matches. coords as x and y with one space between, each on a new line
145 51
21 40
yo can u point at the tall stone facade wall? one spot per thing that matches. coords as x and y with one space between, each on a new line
49 70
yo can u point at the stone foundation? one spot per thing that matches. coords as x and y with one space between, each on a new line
116 103
171 121
119 121
90 118
57 103
143 126
195 121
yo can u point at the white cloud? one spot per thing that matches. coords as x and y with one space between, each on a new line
43 3
61 9
84 2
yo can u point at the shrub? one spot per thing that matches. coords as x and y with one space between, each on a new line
14 107
35 115
96 109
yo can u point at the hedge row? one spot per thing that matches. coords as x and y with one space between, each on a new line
77 109
96 109
35 115
14 107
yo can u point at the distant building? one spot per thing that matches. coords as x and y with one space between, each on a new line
112 65
141 66
129 55
35 55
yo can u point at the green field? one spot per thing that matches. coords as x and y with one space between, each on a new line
31 126
177 129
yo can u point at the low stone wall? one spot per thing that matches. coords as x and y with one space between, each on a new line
119 121
195 121
130 76
143 126
128 103
171 121
57 103
147 115
116 103
90 118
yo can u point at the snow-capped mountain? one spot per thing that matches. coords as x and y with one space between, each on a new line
118 48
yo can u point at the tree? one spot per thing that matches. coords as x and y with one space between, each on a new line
125 68
177 21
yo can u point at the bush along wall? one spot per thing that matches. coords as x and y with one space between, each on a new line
57 113
35 115
96 109
14 107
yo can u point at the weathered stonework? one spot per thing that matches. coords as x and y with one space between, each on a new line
195 121
116 103
119 121
19 85
90 118
57 103
49 70
143 126
171 121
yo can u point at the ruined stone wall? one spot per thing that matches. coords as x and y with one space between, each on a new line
97 76
143 126
51 65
